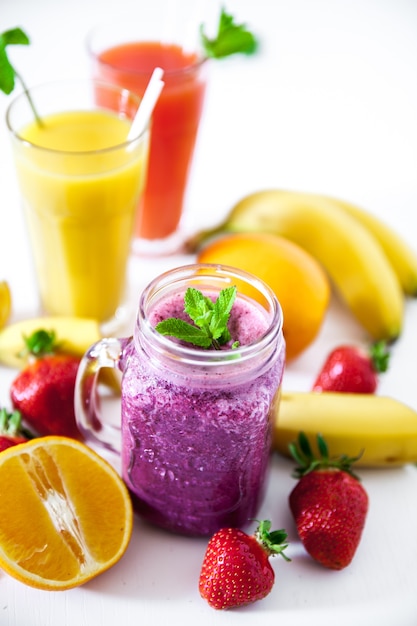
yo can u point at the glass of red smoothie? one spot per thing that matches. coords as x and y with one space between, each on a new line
195 435
125 54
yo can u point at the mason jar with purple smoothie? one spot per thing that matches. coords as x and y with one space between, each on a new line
196 422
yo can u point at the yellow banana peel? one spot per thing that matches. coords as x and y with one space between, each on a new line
402 258
5 302
354 260
383 429
74 334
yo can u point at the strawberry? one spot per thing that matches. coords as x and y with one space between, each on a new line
236 570
44 390
11 431
352 369
329 504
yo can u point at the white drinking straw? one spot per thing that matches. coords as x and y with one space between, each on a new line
147 105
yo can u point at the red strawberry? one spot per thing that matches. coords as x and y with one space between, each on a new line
11 431
44 390
351 369
329 505
236 570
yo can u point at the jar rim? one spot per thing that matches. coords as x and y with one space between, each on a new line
205 273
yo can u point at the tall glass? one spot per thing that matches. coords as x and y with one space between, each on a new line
195 430
126 54
80 181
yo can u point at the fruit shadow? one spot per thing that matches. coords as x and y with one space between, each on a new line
157 566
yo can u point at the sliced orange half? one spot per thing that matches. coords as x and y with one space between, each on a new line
65 514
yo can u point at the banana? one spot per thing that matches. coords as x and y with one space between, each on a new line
5 302
75 334
354 260
383 429
402 258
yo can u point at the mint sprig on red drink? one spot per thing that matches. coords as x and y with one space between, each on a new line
8 74
231 38
210 318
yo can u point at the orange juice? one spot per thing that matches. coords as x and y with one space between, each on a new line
80 184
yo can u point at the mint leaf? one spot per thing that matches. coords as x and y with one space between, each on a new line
210 319
198 307
14 36
221 312
180 329
7 71
231 39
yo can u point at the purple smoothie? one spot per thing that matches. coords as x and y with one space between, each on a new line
197 434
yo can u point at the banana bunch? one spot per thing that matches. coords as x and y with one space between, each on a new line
370 265
381 428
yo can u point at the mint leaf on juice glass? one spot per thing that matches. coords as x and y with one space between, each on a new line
8 74
7 71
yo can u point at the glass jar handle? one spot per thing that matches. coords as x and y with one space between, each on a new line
105 353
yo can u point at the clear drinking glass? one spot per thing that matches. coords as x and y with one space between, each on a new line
125 53
80 182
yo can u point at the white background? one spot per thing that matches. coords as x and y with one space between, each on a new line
329 104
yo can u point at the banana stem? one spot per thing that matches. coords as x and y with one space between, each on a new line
194 243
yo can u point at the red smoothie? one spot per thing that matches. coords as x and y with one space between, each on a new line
174 125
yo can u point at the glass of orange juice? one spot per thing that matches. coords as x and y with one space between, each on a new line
80 180
125 54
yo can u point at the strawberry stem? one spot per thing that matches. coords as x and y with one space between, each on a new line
272 542
307 462
11 424
40 343
379 355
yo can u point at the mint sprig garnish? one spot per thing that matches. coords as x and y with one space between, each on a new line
209 329
231 38
8 74
7 71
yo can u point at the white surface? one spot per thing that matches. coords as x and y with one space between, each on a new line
329 105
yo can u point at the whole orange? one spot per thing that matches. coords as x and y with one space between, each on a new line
297 279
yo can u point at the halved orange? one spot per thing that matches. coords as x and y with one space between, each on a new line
65 514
